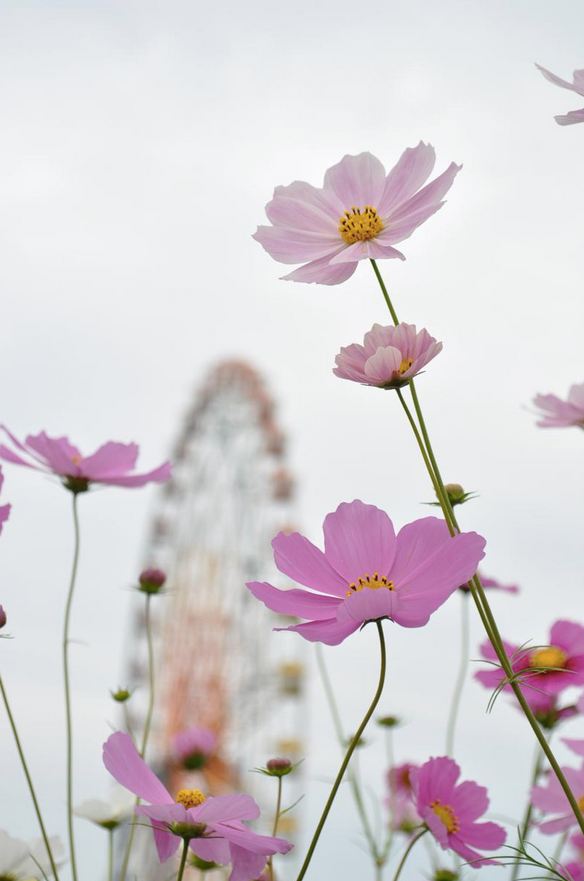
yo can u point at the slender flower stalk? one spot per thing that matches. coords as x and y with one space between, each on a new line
526 822
147 727
110 855
408 851
353 781
183 860
276 821
67 687
461 676
476 588
351 749
29 782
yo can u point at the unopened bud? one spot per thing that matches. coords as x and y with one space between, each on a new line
446 875
151 580
455 493
3 618
200 864
121 695
388 721
278 767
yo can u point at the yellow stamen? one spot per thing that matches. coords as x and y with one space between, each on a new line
550 656
405 365
190 798
447 816
373 583
360 224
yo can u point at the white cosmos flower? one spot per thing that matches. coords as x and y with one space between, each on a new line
107 814
24 861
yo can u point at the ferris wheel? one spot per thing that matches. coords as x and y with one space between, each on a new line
218 665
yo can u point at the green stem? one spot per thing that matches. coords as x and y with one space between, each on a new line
353 780
352 746
526 822
30 784
388 302
183 860
67 688
276 821
407 852
461 676
147 727
110 855
480 599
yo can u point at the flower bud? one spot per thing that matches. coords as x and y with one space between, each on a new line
121 695
455 493
3 618
151 581
278 767
200 864
446 875
388 721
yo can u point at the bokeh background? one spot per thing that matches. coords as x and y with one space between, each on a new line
140 143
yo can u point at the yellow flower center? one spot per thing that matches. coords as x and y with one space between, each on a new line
405 365
373 583
360 224
550 656
190 798
447 816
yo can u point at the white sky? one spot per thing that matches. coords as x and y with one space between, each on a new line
140 143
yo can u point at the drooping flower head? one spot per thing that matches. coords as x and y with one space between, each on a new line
389 357
367 573
360 212
451 810
213 826
24 861
544 671
112 464
577 85
492 584
194 746
562 414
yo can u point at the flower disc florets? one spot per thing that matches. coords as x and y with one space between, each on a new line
190 798
121 695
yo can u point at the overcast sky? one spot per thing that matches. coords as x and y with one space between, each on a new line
140 142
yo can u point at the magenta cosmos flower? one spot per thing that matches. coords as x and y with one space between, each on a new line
551 799
193 747
562 414
492 584
367 572
543 671
360 212
403 815
575 869
450 811
111 464
577 85
213 826
389 356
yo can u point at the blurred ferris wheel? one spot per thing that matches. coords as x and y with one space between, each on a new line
218 665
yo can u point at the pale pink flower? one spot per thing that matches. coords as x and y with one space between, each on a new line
112 464
450 811
4 509
194 746
577 85
550 798
403 815
213 826
492 584
360 212
389 356
367 573
562 414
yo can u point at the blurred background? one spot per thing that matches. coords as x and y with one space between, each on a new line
140 144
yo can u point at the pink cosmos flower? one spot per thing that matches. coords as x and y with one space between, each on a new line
403 815
213 826
548 669
399 778
193 746
562 414
492 584
111 464
4 509
358 213
450 811
575 870
550 798
367 572
389 356
577 85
